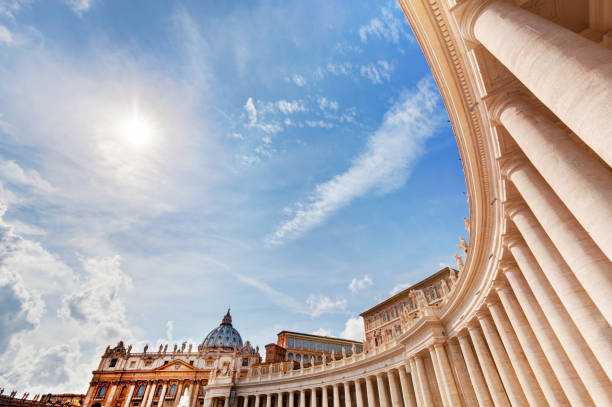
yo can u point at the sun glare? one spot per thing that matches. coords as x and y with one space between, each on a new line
136 131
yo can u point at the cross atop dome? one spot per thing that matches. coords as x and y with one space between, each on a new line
227 319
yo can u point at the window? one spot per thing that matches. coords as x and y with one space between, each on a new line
141 390
319 359
204 390
398 330
326 347
433 294
393 312
101 392
254 372
133 363
271 369
191 362
290 342
306 358
263 370
209 363
411 303
290 356
385 317
298 357
173 389
158 392
113 363
319 346
136 403
245 362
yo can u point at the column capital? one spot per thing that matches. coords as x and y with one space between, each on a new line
506 264
463 334
502 285
511 240
473 325
467 14
483 314
513 207
492 301
510 162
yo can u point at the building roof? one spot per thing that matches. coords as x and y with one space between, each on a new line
402 293
223 336
329 338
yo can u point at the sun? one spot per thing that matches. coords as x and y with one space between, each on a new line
136 131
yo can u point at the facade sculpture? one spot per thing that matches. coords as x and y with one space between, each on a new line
525 320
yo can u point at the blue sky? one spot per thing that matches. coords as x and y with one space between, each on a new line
161 161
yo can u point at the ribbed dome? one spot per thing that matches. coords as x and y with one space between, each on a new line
223 336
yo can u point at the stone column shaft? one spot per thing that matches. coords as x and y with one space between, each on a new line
516 357
279 399
450 387
588 263
396 397
291 398
128 398
551 346
491 377
415 382
226 402
336 395
111 394
583 360
407 389
324 400
268 400
383 397
423 382
162 396
313 397
537 56
257 400
358 394
302 398
245 401
502 361
370 391
347 394
438 377
462 375
590 322
478 382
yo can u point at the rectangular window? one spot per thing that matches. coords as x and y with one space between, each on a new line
191 362
385 317
133 363
245 362
326 347
113 363
319 346
290 342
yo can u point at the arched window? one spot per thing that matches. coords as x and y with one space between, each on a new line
320 359
298 357
173 389
433 294
141 390
158 392
290 356
101 392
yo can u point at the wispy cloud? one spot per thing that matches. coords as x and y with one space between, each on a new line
289 107
377 73
299 80
384 166
325 104
357 284
322 332
386 26
398 288
320 304
6 37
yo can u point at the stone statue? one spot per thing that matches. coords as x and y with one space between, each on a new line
459 261
343 352
144 350
312 360
353 349
333 356
444 287
453 277
183 346
467 224
302 363
160 348
190 346
462 244
175 348
165 348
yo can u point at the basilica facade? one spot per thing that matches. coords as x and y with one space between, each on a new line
525 318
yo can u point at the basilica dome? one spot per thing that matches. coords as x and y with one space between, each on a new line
223 336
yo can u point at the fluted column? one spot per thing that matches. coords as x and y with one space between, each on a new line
358 394
462 376
447 376
128 399
148 397
313 397
396 397
269 400
291 398
537 56
303 398
502 361
491 377
245 402
336 395
590 322
476 377
588 263
324 400
583 360
438 376
516 356
257 400
569 379
347 394
226 402
383 397
423 382
160 402
407 389
279 399
370 391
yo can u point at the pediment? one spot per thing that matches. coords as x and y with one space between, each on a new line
176 366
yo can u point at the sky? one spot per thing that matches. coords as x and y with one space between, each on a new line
161 161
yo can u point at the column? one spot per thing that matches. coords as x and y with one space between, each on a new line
358 394
538 56
590 322
111 394
128 398
551 347
588 263
502 362
396 397
438 376
279 399
257 400
226 402
423 382
245 402
415 383
407 389
462 376
478 382
516 356
347 394
336 395
383 397
491 377
302 398
370 391
324 400
177 395
291 399
313 397
160 402
268 400
450 387
587 367
193 394
148 396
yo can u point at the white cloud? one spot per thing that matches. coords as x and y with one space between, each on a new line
357 285
341 68
320 304
12 173
319 123
238 136
384 165
387 26
323 332
325 104
398 288
169 330
353 329
299 80
6 37
291 107
249 106
79 6
377 73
